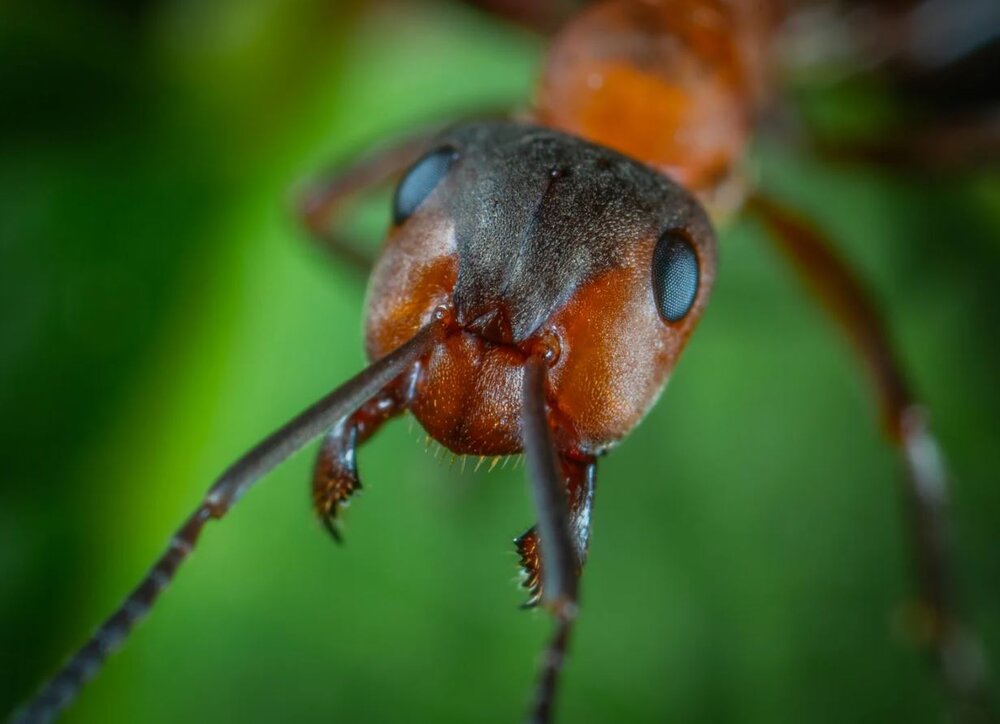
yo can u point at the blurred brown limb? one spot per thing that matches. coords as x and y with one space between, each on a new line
934 623
939 145
320 200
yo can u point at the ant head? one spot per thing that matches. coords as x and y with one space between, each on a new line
535 242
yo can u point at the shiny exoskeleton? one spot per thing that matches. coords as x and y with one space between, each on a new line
535 242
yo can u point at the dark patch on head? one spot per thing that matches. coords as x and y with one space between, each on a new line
538 213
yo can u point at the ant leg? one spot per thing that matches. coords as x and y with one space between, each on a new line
936 145
560 561
580 477
956 652
335 475
61 689
318 203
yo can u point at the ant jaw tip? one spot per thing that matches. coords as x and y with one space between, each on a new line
331 527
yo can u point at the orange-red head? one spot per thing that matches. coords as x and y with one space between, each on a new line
533 242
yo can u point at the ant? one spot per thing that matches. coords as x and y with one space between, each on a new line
519 252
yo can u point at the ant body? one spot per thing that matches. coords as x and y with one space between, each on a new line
518 253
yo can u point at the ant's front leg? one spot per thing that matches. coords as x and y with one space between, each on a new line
956 652
936 145
318 203
335 475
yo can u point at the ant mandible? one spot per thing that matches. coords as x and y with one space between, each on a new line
519 250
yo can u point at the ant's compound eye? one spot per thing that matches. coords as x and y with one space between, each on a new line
422 178
675 275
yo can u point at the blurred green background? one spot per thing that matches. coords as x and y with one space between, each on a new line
160 312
